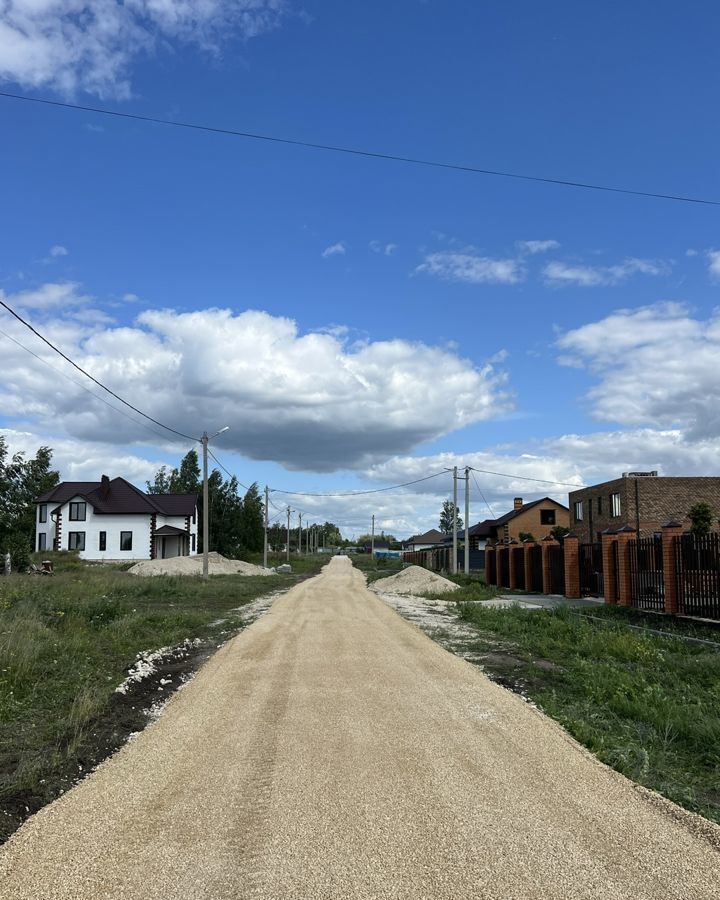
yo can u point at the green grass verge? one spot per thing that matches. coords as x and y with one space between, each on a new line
472 588
66 643
373 569
648 706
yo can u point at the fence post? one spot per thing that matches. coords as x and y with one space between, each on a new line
624 536
545 545
670 532
572 567
610 576
511 551
490 565
527 562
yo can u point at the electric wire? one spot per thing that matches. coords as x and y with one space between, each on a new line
528 478
354 151
52 346
392 487
227 471
477 485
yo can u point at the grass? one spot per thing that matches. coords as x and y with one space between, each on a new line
649 706
66 643
373 569
472 588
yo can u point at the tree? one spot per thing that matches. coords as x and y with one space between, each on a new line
252 528
447 515
526 536
22 481
560 532
701 518
187 480
161 484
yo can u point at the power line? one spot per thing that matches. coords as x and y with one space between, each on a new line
353 151
527 478
227 471
52 346
477 485
82 386
392 487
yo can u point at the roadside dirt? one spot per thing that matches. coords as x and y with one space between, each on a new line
331 750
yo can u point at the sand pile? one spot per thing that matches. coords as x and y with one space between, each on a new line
413 580
193 565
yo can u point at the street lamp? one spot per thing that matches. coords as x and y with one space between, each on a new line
206 505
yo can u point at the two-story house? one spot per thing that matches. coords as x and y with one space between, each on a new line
111 519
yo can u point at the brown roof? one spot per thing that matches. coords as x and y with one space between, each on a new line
430 537
167 531
117 496
503 520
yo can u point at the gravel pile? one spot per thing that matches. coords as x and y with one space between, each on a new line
413 580
193 565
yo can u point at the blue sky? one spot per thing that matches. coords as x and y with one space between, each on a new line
439 317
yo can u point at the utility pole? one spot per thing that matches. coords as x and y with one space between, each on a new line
454 558
467 520
206 504
265 546
300 533
372 538
287 546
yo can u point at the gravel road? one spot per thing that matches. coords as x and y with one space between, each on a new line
332 750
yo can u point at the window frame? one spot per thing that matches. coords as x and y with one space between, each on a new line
547 517
77 535
102 541
615 505
77 504
192 536
42 513
42 541
578 511
123 538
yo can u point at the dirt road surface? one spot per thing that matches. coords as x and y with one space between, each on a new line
331 750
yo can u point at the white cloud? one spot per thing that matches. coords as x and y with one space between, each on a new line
559 273
471 268
58 250
338 249
386 249
309 401
656 366
533 247
714 264
49 296
74 45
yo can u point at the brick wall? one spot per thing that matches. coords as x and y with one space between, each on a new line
660 500
530 521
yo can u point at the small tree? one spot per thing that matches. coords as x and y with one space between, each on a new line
701 518
526 536
447 514
560 532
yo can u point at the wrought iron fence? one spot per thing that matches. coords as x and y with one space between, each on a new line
504 568
592 578
518 563
646 573
536 570
697 565
556 559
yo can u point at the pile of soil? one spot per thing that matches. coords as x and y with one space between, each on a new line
413 580
193 565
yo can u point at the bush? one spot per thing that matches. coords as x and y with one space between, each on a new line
19 548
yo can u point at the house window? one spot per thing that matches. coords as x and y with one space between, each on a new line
194 514
42 513
578 511
547 516
76 540
102 544
126 540
192 536
599 506
615 504
77 512
42 541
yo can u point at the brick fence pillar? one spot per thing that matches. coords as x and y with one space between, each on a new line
512 549
624 536
572 567
546 544
527 562
610 576
490 565
671 531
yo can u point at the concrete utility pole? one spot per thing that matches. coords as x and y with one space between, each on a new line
206 505
287 546
300 533
372 538
467 520
454 557
265 546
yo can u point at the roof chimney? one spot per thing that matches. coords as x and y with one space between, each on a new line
517 503
104 487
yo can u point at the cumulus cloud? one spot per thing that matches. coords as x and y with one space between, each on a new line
386 249
656 365
471 268
73 45
338 249
49 296
308 401
58 250
533 247
560 273
714 264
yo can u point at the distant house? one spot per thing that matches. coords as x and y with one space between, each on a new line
642 500
427 541
111 519
379 545
536 518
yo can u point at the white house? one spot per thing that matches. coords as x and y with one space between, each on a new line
113 520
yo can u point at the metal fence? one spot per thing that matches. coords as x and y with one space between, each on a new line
518 564
647 578
536 570
592 577
504 568
556 554
697 569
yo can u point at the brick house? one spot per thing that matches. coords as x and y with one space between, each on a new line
426 541
538 518
111 519
642 500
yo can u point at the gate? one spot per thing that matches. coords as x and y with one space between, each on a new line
504 568
646 573
698 574
592 580
535 570
490 568
556 555
518 564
